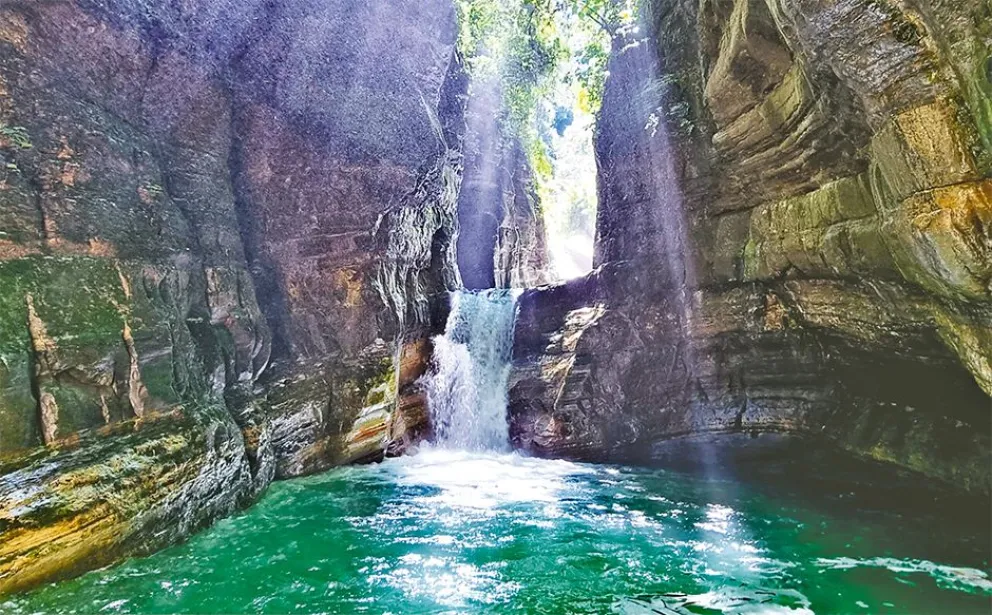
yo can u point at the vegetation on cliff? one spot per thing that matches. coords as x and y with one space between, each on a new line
531 47
546 63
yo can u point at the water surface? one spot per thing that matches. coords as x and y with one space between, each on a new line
448 532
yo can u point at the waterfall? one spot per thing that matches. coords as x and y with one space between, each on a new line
466 389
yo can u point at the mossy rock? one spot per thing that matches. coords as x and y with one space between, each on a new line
78 298
18 409
82 304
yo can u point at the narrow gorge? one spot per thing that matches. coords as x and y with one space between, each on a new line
483 306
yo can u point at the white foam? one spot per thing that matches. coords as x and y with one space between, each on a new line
969 579
466 389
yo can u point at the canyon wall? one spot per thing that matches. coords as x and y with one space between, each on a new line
222 228
501 239
794 235
226 229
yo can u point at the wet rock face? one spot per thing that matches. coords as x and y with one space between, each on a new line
501 239
221 228
794 234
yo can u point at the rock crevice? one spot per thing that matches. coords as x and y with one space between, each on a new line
797 242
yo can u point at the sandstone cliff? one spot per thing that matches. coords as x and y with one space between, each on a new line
794 235
221 228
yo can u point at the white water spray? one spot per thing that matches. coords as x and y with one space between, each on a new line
466 391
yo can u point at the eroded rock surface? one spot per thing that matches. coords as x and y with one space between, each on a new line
221 228
502 240
794 232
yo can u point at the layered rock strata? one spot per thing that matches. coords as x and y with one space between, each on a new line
794 235
221 228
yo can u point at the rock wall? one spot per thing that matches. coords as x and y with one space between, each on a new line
794 235
501 241
221 227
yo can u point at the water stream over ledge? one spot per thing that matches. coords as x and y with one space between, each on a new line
466 389
464 526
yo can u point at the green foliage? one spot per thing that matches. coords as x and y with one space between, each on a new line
599 22
524 42
610 15
516 44
590 72
529 47
16 135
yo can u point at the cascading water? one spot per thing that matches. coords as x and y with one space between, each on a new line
482 531
466 390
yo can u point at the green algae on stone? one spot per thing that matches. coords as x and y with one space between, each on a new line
79 301
816 233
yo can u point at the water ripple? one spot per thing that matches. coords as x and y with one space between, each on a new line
486 533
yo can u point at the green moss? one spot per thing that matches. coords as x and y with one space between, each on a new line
978 93
80 301
79 406
379 383
829 231
158 376
78 298
18 420
17 135
751 263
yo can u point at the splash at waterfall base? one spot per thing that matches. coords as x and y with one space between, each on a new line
463 525
466 387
